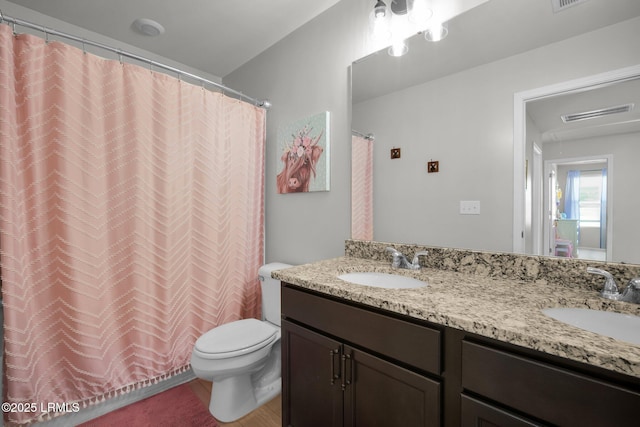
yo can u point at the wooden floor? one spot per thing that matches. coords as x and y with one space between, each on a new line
268 415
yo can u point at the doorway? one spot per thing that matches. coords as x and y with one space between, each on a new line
524 225
578 204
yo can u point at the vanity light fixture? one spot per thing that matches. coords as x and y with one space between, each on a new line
400 20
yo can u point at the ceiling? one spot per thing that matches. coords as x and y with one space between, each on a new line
546 113
494 30
498 29
218 36
215 36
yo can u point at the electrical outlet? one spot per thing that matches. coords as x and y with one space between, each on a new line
469 207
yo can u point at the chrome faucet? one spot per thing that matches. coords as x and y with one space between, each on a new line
401 261
632 291
610 291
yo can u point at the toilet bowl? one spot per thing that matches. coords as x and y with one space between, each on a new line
242 358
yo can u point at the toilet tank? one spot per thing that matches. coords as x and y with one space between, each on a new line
270 292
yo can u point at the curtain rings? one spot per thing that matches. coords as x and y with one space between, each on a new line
13 23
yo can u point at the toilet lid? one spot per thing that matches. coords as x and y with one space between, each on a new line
245 334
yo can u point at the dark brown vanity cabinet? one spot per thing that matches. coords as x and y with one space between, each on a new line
505 388
340 366
477 413
345 364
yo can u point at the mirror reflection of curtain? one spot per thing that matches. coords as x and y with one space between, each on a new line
603 210
572 195
362 187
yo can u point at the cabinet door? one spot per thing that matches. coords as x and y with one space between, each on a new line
479 414
381 394
311 378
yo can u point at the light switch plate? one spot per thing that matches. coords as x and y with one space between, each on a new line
469 207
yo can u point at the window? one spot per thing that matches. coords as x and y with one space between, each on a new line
590 198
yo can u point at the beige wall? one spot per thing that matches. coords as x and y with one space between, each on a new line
304 74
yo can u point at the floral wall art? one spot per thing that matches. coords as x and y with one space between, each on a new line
303 164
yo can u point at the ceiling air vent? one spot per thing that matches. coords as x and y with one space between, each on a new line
560 5
567 118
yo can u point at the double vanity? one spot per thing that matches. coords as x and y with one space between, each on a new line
469 338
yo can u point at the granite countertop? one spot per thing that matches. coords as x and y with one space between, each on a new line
503 309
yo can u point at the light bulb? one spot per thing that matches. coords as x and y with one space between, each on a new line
436 32
418 11
398 48
380 24
380 9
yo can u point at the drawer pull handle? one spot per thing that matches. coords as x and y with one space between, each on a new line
334 375
346 361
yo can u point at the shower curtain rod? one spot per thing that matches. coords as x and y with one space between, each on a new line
368 136
15 21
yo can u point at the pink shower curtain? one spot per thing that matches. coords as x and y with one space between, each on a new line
131 211
361 188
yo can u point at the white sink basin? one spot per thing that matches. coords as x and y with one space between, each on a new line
623 327
382 280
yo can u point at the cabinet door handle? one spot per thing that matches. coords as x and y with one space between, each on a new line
346 362
334 375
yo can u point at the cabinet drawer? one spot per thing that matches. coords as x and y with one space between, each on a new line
407 342
477 413
547 392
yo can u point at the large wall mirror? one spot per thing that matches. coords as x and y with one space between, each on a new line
502 185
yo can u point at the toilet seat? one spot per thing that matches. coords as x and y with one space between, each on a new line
235 339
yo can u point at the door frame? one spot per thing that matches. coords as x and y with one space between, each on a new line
519 136
537 203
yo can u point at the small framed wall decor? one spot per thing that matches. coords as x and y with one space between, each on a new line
303 163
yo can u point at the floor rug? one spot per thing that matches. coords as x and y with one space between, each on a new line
178 407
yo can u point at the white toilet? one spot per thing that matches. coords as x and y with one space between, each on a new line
242 358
